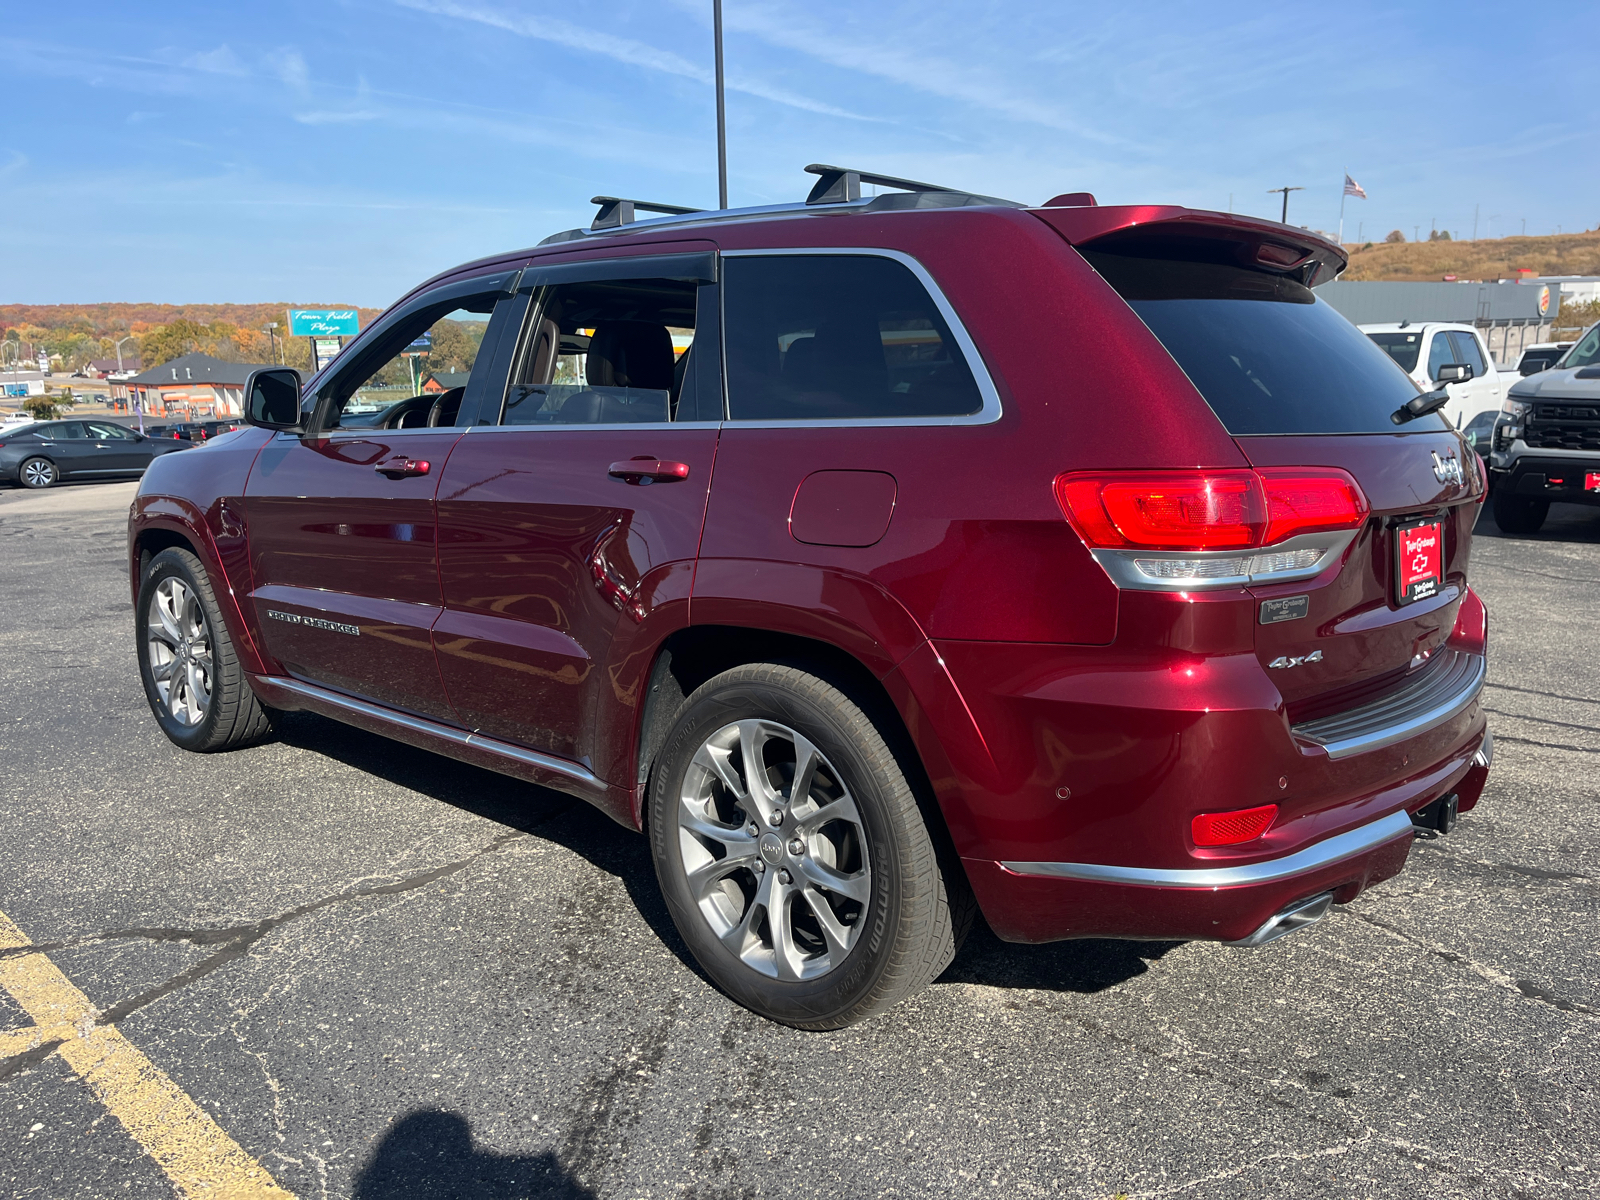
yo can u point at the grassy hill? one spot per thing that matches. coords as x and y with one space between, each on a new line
1559 254
116 320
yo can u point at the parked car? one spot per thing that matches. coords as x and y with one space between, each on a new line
1547 443
1050 563
1456 359
1541 356
16 420
45 453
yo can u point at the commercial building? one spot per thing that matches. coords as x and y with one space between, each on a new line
1511 315
191 388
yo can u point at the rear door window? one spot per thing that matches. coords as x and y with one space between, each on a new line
839 336
1467 351
1267 355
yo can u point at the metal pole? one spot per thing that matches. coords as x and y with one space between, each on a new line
722 118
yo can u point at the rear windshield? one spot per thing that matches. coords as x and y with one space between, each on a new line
1267 355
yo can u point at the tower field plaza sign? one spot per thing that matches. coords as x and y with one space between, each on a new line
323 322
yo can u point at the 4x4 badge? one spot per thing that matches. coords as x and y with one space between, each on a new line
1448 470
1283 662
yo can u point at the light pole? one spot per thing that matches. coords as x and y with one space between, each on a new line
272 334
1285 191
722 118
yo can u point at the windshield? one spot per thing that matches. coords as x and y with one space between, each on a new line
1402 347
1267 355
1587 352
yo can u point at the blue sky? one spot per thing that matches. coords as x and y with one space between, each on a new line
340 150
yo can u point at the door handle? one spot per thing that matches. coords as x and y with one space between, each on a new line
401 467
645 469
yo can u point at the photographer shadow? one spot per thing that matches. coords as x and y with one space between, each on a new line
429 1155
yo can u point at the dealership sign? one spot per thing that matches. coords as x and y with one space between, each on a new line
323 322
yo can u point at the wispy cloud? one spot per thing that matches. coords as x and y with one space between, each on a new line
221 61
546 28
336 118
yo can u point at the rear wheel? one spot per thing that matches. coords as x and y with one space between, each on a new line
192 678
39 473
792 853
1519 514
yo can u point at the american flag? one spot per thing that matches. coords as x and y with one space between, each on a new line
1352 188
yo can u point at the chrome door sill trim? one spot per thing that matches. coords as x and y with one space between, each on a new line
1323 854
1442 691
448 733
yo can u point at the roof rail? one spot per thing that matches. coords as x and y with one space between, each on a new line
615 211
842 185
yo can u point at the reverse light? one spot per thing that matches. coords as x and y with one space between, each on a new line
1208 510
1232 828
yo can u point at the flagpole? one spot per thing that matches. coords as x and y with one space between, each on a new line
1343 193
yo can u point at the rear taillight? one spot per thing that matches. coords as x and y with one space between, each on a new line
1208 510
1232 828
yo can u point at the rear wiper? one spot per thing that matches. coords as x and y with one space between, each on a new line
1420 406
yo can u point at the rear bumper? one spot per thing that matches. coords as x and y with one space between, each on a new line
1049 901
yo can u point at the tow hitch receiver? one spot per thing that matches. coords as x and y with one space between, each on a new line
1438 817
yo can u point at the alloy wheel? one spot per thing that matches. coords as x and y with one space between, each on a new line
180 650
774 850
38 473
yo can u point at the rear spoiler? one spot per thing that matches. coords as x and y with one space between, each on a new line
1249 241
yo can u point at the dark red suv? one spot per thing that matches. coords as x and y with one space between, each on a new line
883 560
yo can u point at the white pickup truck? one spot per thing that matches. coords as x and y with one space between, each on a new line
1454 357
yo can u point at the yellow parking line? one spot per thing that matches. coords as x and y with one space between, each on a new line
199 1158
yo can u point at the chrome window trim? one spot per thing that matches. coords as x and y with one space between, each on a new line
1325 853
552 427
1122 565
987 415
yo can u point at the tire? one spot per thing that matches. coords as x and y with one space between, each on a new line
724 867
192 677
1519 514
38 473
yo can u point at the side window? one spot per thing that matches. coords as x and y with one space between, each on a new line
1468 352
416 374
1440 352
106 432
67 430
818 336
615 351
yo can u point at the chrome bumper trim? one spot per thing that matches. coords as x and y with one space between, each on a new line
1441 691
1485 755
1313 858
448 733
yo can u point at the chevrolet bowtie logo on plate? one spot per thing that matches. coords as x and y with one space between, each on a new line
314 622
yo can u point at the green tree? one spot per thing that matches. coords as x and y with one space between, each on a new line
43 408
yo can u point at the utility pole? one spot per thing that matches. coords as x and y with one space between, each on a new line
272 335
722 117
1285 191
1475 222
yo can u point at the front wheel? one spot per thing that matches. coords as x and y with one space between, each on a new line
792 854
1519 514
192 678
39 473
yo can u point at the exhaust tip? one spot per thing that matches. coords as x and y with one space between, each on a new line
1297 916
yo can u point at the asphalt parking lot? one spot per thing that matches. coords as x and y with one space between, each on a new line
384 974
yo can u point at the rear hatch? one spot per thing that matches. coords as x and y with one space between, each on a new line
1301 389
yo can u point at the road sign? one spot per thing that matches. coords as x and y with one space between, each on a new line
326 348
323 322
423 344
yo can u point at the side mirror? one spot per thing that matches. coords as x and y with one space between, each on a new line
273 398
1454 373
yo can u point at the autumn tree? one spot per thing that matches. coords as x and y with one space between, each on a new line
1395 237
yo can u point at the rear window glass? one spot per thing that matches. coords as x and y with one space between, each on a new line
1267 355
830 336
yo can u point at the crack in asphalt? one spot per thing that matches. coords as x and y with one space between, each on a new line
1525 987
1506 737
1541 720
235 940
1506 687
1525 571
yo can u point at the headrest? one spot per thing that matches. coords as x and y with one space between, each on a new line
631 354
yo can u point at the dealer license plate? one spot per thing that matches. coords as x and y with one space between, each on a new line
1591 481
1418 562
